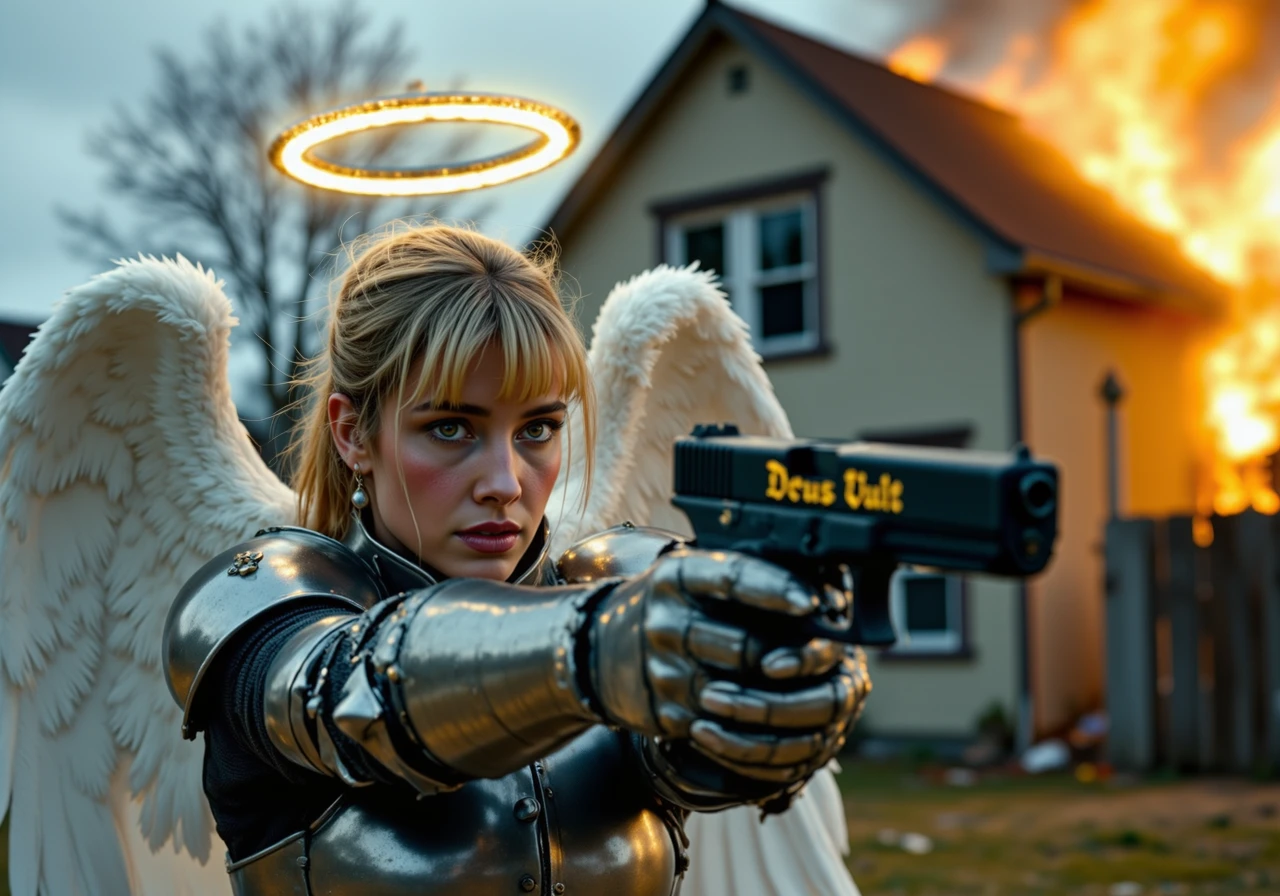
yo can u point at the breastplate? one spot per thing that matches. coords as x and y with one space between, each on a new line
582 821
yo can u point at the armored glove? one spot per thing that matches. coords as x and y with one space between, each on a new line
473 678
697 648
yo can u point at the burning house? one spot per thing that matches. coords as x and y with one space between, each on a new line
920 265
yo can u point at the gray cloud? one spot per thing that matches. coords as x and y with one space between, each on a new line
64 66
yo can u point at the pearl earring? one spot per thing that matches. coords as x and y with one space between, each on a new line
359 497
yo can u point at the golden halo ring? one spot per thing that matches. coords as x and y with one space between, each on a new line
294 151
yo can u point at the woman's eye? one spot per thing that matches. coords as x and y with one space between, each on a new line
540 431
448 431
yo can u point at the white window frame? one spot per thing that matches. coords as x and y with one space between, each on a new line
948 642
742 258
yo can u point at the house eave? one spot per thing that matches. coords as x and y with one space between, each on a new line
1124 287
638 114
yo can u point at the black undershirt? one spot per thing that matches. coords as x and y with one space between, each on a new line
258 797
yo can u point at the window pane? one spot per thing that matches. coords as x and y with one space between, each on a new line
782 309
706 244
925 599
781 239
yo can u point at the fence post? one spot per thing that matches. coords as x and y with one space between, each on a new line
1183 607
1269 627
1239 546
1129 644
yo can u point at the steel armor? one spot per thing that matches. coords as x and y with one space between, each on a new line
553 737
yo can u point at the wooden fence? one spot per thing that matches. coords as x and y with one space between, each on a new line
1193 645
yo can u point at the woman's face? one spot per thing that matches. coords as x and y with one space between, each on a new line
476 477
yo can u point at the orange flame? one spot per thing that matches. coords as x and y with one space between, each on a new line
1124 96
919 59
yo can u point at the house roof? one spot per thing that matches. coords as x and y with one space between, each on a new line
14 337
1038 215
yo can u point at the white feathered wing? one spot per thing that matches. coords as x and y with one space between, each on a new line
668 353
123 468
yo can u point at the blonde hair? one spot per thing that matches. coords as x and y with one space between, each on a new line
440 294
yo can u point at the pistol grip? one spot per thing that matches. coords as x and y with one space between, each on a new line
872 624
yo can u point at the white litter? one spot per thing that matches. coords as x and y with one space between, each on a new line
916 844
1046 756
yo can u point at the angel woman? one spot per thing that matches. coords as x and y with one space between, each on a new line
418 688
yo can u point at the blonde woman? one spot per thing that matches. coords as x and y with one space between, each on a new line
406 693
390 701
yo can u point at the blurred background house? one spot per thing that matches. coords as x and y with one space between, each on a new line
14 336
916 267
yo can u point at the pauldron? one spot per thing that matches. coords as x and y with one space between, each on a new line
279 567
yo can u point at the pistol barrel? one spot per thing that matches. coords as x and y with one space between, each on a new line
993 512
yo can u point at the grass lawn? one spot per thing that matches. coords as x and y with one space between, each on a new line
1050 835
1054 835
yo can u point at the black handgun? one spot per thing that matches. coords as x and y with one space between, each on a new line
850 513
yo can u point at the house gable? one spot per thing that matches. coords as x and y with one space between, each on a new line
1035 214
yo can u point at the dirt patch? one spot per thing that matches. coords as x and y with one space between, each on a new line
1009 834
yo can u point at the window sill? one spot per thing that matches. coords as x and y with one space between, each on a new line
961 654
821 350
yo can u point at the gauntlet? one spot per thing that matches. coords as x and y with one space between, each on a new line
473 678
671 658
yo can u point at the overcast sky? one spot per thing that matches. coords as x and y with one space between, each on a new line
63 66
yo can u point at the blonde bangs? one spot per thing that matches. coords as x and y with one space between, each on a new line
541 354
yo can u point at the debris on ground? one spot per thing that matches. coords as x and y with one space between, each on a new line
1046 756
1090 772
1125 888
916 844
1089 732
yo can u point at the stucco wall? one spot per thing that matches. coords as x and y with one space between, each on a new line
919 332
1067 353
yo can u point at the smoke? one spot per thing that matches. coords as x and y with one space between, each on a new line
1021 41
873 27
981 34
1248 90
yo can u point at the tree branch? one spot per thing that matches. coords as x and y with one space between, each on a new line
188 164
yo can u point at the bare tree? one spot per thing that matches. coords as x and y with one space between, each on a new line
190 164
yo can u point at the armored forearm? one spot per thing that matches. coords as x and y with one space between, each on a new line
473 678
467 679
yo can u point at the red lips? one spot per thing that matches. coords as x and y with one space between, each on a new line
495 537
497 527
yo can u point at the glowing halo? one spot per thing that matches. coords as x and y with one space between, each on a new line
294 151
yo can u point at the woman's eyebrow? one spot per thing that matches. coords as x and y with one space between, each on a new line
476 411
473 409
551 408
